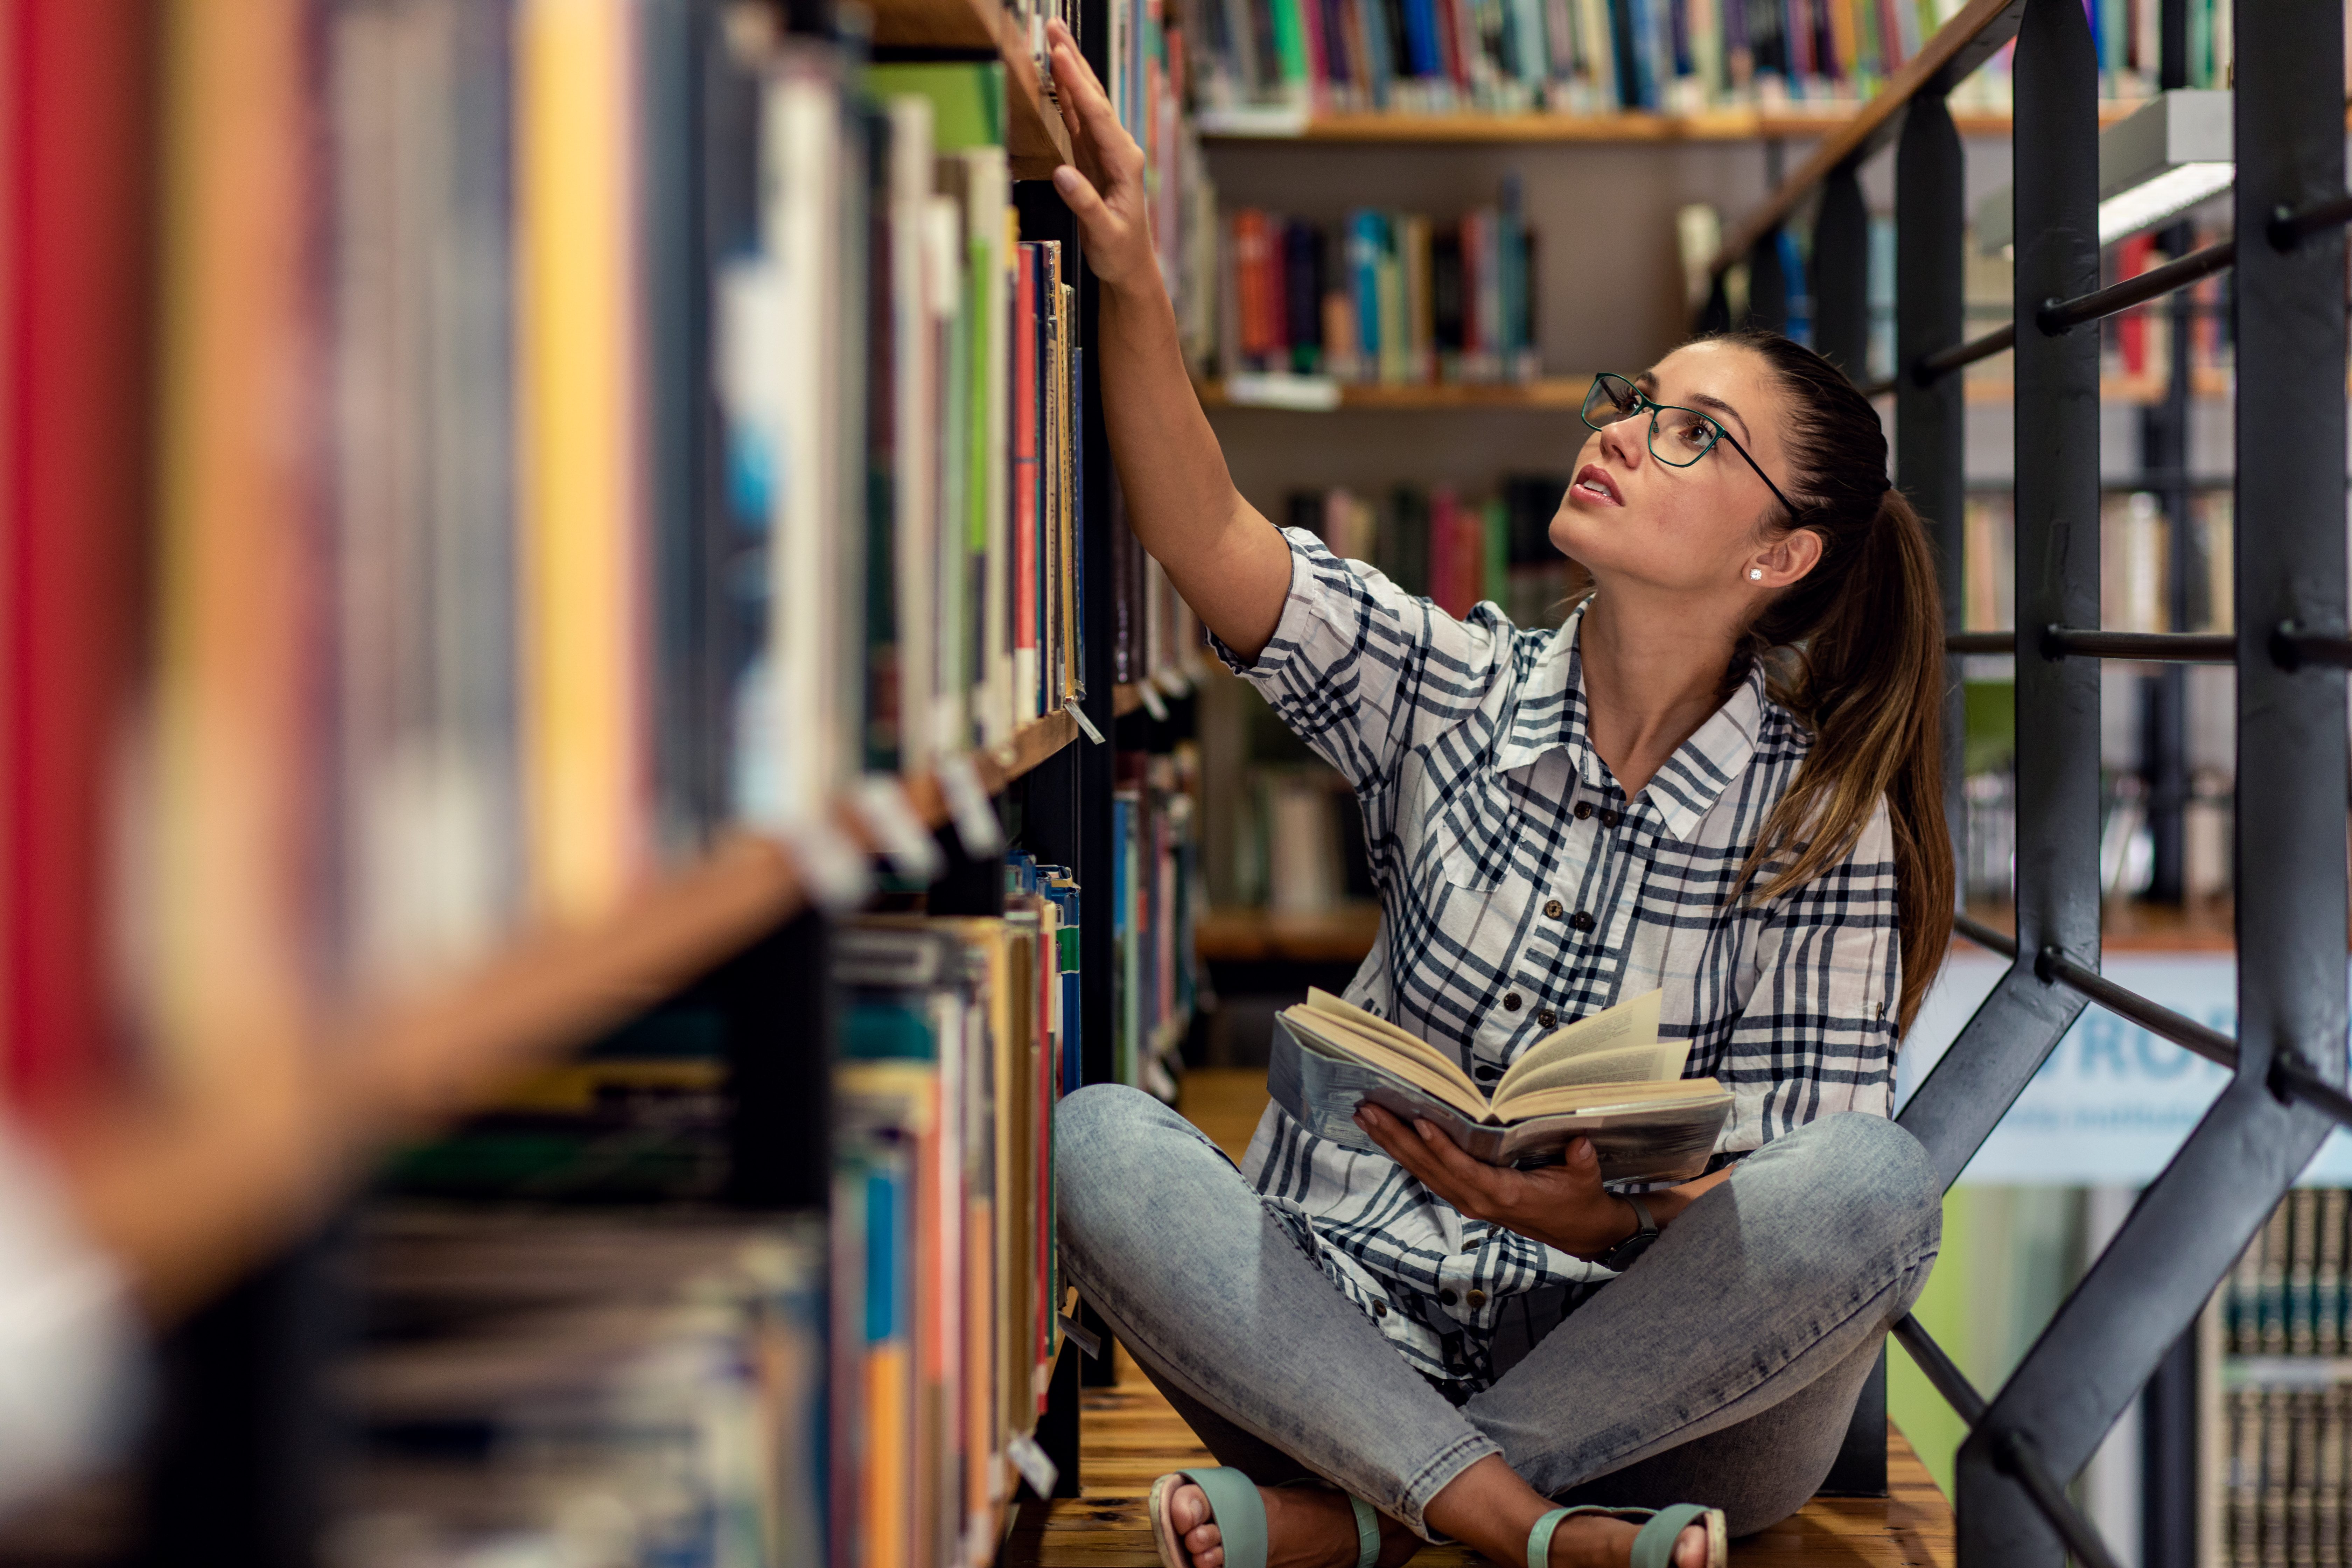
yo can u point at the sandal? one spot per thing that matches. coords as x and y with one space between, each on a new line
1652 1547
1239 1516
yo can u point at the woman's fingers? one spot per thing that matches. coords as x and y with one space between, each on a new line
1078 194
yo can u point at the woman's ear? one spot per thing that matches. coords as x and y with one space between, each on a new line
1788 559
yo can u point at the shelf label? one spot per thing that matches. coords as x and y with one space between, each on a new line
967 806
1036 1468
833 869
1085 725
1152 702
890 817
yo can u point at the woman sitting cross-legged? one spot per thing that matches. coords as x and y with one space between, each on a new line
1718 778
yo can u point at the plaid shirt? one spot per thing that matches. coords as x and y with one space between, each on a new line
1520 890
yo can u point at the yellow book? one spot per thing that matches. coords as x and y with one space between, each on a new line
579 477
234 665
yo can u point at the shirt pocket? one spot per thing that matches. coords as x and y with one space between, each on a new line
1477 834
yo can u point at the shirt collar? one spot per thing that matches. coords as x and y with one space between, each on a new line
1550 714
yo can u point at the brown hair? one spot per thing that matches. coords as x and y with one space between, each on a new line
1856 649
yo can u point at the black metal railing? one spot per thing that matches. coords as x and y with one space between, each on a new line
2288 1061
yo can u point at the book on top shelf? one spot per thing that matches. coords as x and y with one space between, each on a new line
1271 67
1608 1077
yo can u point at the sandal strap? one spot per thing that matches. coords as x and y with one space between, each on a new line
1655 1546
1367 1533
1540 1533
1239 1513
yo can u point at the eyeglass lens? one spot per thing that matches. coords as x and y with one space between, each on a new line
1677 437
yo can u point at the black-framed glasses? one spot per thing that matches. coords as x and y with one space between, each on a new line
1678 437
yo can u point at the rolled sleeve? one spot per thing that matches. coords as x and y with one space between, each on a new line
1361 669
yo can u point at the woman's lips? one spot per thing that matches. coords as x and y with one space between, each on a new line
1593 483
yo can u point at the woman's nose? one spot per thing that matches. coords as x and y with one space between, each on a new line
1626 439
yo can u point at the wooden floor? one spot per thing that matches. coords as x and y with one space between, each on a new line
1130 1434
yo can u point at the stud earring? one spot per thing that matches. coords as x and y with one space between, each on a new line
1756 573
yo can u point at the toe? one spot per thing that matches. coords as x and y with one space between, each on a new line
1690 1548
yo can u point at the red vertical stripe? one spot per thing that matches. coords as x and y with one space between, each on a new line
76 246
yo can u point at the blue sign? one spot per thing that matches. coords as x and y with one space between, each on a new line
2114 1102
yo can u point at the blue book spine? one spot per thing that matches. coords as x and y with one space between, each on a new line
1363 268
1421 38
1645 71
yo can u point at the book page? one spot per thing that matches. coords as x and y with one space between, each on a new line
1617 1097
1372 1025
1659 1061
1437 1077
1628 1024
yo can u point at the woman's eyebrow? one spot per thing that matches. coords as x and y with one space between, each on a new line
1717 403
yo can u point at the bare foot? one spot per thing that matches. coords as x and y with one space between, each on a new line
1597 1541
1306 1527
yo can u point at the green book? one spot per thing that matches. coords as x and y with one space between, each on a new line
967 98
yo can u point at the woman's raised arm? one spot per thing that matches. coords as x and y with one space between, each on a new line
1222 555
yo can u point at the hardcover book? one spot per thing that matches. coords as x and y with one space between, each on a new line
1608 1077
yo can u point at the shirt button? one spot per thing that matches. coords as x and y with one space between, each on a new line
1511 1002
1581 920
1380 1308
1609 819
1478 1298
1553 910
1447 1297
1546 1018
1583 809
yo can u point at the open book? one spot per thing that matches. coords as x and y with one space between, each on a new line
1608 1077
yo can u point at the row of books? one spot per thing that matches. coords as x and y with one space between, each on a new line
1602 57
873 1402
1381 297
1157 895
2283 1495
694 436
2139 343
917 473
957 1033
2136 562
1454 551
1148 84
2288 1295
610 1387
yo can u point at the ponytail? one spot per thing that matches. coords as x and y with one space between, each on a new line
1856 649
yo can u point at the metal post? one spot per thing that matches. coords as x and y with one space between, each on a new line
2057 584
2146 1290
1840 274
1930 431
2056 133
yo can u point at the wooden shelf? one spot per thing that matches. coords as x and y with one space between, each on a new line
1552 394
1124 698
1246 935
2207 384
1791 124
1035 139
457 1044
2126 926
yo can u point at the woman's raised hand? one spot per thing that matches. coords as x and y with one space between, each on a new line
1104 188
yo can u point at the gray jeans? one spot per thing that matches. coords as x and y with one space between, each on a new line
1722 1368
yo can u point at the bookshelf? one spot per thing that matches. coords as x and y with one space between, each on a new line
1035 139
1624 129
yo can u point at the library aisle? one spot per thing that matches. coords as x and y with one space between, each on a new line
1131 1435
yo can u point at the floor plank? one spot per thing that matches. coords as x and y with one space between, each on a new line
1129 1436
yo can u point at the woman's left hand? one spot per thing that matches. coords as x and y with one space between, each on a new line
1562 1206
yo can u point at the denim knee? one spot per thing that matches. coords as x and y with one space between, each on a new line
1112 1149
1861 1180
